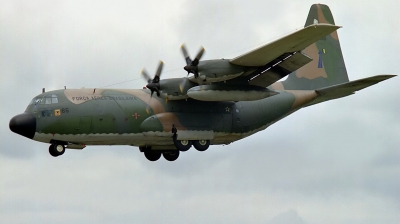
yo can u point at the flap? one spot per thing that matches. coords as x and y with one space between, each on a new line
278 68
293 42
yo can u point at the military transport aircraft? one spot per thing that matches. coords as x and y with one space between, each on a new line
223 101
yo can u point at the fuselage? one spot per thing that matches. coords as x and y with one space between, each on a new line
132 117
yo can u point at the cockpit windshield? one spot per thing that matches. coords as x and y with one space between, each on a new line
46 99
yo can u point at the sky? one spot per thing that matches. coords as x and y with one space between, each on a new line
335 162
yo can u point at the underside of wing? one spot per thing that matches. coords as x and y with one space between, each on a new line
293 42
277 69
346 89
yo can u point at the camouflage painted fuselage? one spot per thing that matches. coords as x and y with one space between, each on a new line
131 117
239 97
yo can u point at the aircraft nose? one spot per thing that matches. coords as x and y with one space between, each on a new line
24 124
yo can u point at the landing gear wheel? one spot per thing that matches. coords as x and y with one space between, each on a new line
51 151
56 150
152 155
201 145
171 156
60 149
182 145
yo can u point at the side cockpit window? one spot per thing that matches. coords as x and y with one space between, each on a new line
50 99
54 99
47 100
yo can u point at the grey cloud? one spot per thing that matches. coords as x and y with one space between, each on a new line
290 216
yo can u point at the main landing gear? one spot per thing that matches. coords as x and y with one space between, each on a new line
173 154
154 155
184 145
56 149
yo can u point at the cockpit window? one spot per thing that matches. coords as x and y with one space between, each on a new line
54 99
46 99
35 101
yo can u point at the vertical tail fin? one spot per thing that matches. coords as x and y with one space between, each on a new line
327 67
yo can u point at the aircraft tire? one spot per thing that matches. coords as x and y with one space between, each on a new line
201 145
56 150
51 151
182 145
60 149
152 155
171 156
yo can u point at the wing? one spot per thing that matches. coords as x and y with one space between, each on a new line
346 89
279 58
293 42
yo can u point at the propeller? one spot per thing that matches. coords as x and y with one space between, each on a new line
154 84
191 65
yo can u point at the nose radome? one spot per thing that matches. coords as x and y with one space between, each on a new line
24 124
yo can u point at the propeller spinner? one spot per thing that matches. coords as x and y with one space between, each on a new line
154 84
191 65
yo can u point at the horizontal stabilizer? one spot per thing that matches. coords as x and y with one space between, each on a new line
293 42
345 89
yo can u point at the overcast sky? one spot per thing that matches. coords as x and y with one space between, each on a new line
336 162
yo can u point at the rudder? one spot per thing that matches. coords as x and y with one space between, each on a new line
327 67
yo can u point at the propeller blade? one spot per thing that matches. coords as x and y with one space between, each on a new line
154 84
146 76
186 55
158 92
195 62
158 73
183 84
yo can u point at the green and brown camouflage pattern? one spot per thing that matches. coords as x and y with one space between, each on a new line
80 117
132 117
327 67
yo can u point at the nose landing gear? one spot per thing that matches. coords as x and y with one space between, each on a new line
56 149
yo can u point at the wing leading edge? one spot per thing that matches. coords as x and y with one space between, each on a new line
293 42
